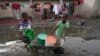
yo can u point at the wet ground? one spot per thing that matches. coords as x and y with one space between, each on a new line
74 46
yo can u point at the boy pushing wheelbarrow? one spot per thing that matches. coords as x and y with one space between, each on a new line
60 28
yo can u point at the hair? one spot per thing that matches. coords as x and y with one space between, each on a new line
25 17
24 14
64 18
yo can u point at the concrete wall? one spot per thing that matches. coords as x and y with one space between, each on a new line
89 8
86 9
96 8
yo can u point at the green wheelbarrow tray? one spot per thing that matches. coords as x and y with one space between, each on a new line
29 33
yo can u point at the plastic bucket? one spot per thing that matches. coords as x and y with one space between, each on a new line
50 41
29 34
41 39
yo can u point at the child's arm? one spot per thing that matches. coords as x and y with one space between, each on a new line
30 22
53 30
67 24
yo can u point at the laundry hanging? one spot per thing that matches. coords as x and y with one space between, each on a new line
80 2
55 9
24 5
59 8
76 3
64 4
37 7
32 6
51 8
70 7
3 6
16 6
47 6
44 13
7 4
17 14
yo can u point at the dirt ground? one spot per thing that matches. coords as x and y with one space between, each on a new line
91 29
9 30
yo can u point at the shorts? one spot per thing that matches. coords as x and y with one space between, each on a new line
26 40
60 40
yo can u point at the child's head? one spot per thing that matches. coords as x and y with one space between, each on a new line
64 18
24 15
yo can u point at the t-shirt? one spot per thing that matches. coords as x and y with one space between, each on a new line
15 6
24 24
55 9
81 1
59 7
61 27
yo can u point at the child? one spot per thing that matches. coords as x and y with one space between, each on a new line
59 29
25 23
